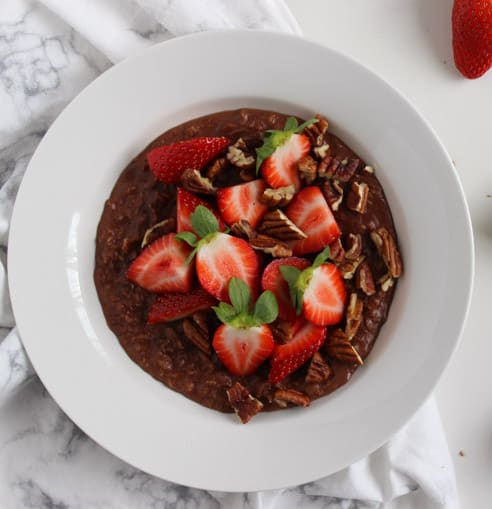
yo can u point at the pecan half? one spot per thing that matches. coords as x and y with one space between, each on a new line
316 132
195 328
284 396
216 168
243 229
271 246
353 246
333 193
277 224
353 318
158 230
192 180
364 280
332 167
386 282
337 253
279 197
239 155
386 246
322 152
328 166
348 267
357 197
243 403
308 169
340 348
318 370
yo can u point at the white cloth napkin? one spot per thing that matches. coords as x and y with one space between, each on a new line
49 50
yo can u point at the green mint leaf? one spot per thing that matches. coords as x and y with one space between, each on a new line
291 124
322 257
203 221
240 295
303 126
266 308
188 237
191 256
225 312
292 275
263 152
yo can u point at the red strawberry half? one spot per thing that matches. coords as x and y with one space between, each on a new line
280 169
185 205
242 202
162 267
169 161
310 212
172 306
323 301
289 357
244 341
472 36
273 280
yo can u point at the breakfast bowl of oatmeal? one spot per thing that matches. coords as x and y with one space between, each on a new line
260 266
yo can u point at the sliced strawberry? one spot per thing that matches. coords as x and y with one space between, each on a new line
186 204
162 267
243 350
323 301
172 306
289 357
169 161
310 212
273 280
222 257
280 169
242 202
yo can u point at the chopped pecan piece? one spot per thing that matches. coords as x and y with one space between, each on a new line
386 246
322 152
158 230
243 229
195 329
348 267
283 396
364 280
368 169
192 180
308 169
318 370
277 224
240 156
243 403
353 246
316 132
337 253
271 246
282 331
357 197
386 282
279 197
353 318
216 168
333 193
339 347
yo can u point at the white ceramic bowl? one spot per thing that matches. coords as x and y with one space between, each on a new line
51 260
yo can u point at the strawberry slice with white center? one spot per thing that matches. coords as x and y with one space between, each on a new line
273 280
169 161
220 256
280 153
242 202
306 341
244 341
317 291
172 306
186 204
310 212
162 267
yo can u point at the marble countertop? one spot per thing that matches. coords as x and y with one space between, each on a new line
409 44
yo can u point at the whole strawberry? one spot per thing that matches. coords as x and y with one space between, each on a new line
472 36
244 340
